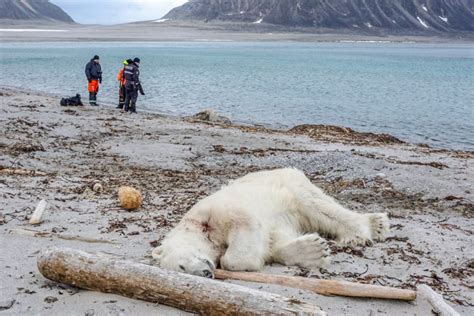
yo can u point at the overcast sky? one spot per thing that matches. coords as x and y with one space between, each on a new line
116 11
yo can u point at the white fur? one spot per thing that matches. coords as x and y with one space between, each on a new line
264 217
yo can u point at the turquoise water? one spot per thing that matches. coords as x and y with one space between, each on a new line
421 93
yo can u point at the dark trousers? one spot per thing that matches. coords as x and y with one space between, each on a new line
122 93
92 98
131 95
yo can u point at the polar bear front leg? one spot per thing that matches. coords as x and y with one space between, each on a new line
247 249
308 251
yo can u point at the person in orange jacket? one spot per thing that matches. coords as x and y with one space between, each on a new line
121 80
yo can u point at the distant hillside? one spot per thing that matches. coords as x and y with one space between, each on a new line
392 15
24 10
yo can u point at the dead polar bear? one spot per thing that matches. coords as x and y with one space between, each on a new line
264 217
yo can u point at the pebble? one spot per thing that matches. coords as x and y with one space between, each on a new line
97 188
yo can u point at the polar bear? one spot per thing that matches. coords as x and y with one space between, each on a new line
264 217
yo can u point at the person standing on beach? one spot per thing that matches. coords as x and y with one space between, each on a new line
94 76
132 85
121 80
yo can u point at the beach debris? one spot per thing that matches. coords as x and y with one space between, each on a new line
433 164
259 152
4 305
90 312
36 218
453 198
50 299
19 148
211 116
21 172
35 233
130 198
439 305
343 135
324 287
111 274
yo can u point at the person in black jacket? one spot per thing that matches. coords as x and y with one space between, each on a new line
94 77
132 85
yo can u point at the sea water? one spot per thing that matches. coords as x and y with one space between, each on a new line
421 93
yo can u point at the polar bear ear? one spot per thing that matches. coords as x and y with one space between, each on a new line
157 253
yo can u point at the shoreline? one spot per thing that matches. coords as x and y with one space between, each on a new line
63 151
219 32
278 128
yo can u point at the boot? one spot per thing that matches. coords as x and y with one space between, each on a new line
93 99
133 108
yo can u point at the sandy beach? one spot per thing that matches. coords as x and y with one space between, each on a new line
62 151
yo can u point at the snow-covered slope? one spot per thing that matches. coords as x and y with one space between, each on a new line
32 10
396 15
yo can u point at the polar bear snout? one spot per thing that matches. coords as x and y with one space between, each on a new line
208 274
184 260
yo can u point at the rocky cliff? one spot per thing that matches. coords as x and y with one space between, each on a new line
25 10
395 15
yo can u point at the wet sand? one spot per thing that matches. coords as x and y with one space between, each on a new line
174 162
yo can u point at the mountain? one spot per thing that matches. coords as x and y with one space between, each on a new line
392 15
26 10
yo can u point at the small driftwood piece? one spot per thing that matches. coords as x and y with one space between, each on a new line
37 215
22 172
109 274
437 301
324 287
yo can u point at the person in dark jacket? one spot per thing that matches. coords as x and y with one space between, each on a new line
132 85
121 80
94 77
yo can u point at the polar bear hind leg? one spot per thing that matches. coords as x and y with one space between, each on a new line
308 251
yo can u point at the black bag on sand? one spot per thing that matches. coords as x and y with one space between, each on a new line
73 101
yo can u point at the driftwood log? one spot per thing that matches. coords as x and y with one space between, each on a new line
22 172
37 216
324 287
110 274
439 305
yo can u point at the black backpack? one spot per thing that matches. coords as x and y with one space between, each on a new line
73 101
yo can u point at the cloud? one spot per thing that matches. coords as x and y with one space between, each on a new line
116 11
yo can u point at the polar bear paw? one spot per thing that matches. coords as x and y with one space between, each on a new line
365 230
379 226
308 251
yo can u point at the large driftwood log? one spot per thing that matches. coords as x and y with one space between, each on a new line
106 273
324 287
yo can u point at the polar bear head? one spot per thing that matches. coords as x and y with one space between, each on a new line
186 259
